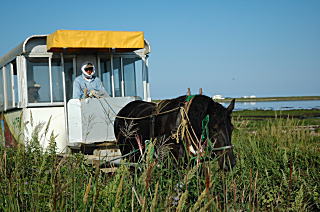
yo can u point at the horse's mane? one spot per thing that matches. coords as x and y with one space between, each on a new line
168 104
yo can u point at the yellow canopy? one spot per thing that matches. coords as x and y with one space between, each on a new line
94 39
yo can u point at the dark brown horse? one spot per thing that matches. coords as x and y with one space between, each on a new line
192 124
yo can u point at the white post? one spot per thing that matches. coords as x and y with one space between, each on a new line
112 77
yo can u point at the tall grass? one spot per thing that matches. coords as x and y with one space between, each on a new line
278 166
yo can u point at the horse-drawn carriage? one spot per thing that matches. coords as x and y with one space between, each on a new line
36 81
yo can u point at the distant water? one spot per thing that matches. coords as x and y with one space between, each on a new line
277 105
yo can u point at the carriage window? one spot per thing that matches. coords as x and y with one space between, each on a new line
69 77
117 76
9 90
38 80
57 86
129 76
1 90
106 74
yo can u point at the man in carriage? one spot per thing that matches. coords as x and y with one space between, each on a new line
88 85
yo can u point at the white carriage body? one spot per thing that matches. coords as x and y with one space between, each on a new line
36 81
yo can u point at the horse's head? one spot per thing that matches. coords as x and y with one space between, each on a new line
220 132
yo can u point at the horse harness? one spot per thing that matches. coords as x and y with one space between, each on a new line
184 110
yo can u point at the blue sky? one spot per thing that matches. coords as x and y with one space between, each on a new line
233 48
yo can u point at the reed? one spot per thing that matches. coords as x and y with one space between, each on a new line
278 165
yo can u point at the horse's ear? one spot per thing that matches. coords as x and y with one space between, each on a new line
231 106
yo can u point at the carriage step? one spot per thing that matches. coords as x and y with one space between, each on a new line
104 155
109 170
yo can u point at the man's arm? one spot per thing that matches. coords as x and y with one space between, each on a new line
76 93
102 91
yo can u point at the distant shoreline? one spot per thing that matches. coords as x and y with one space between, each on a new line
270 99
264 99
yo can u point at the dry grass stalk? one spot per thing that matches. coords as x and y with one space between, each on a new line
118 195
163 148
143 201
132 200
207 177
86 194
234 192
190 175
137 137
255 193
201 198
182 201
5 163
155 199
290 175
242 197
58 188
97 188
149 174
206 206
128 130
250 190
226 195
168 202
135 193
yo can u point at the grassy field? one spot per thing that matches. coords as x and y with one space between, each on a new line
278 166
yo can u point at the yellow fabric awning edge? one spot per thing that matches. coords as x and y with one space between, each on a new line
95 39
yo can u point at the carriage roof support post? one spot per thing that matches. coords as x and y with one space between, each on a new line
122 76
143 54
22 81
148 83
50 80
64 98
145 78
200 91
112 78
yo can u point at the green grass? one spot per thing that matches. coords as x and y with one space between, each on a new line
278 165
303 113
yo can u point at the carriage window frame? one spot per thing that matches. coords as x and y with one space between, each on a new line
139 75
105 73
70 73
120 81
51 101
117 76
139 78
129 76
57 79
15 81
9 86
